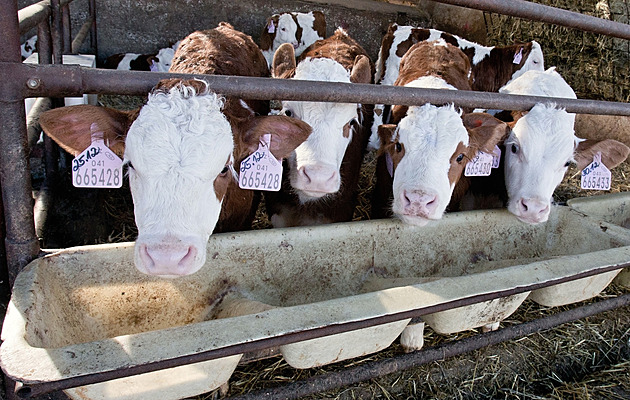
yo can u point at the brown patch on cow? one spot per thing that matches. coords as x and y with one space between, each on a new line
319 24
417 35
426 59
346 130
386 45
398 113
339 47
299 30
361 70
450 39
112 61
220 51
496 69
283 63
266 38
222 181
456 169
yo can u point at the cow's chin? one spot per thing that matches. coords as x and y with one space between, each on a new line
532 221
306 196
413 219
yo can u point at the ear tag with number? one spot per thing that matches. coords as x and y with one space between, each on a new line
261 170
390 164
480 165
496 157
97 166
596 176
271 28
518 57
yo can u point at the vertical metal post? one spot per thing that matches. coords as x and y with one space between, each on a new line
56 31
67 29
15 173
93 38
59 40
44 43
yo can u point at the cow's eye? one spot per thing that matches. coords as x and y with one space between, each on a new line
567 164
225 170
460 158
130 166
288 113
514 148
398 147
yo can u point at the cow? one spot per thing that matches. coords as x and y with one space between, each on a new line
321 176
183 149
422 155
492 67
28 47
542 145
298 29
159 62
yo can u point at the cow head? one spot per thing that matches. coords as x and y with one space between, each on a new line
180 149
428 152
314 166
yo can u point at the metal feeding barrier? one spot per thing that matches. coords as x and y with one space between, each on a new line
51 79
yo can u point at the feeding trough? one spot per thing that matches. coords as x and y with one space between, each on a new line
610 207
86 310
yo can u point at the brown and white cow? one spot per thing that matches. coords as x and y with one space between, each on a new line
492 67
542 145
182 147
321 177
422 157
298 29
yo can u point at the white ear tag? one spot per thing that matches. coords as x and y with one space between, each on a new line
261 170
480 165
496 157
596 176
271 28
97 166
518 57
390 164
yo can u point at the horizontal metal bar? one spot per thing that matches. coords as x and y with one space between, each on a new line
375 369
552 15
30 16
31 389
67 81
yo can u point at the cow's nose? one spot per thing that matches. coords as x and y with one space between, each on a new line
173 260
419 203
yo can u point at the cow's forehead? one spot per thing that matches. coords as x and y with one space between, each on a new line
545 132
432 130
179 133
286 20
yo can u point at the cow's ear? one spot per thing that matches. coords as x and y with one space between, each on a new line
361 70
71 127
319 25
398 113
286 134
613 152
485 131
386 134
283 65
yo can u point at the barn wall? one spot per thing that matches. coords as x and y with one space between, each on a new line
145 26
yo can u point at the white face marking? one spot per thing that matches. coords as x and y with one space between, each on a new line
177 146
165 58
314 166
539 147
286 31
430 136
309 35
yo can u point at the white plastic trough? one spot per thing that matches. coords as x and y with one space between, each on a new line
610 207
87 310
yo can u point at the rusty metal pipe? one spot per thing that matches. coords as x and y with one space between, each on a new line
15 177
93 35
81 35
66 29
44 43
552 15
375 369
38 388
56 31
75 80
31 16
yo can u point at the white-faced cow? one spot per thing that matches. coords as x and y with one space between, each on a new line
321 177
297 29
492 67
542 145
423 155
182 147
